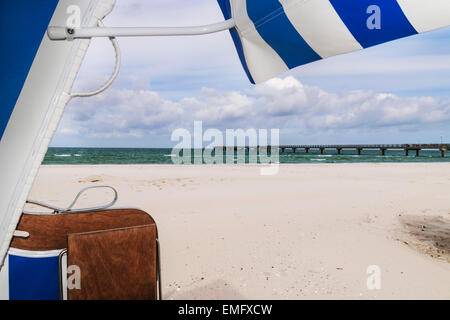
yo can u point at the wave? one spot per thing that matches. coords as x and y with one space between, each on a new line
164 156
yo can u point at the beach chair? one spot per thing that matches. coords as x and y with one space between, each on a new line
78 254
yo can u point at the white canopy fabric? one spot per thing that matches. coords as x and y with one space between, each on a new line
36 78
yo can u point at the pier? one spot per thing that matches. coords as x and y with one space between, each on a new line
357 147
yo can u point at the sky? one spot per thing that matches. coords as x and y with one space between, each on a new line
393 93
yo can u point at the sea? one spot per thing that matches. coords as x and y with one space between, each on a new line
77 156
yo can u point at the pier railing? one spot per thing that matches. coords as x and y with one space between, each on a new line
443 147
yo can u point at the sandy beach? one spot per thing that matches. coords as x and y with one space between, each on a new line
309 232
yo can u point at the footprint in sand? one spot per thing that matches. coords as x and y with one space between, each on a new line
91 179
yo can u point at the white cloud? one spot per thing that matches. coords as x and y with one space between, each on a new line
278 103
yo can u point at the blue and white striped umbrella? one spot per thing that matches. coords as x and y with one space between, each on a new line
273 36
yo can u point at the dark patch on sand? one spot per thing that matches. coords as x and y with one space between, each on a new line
428 234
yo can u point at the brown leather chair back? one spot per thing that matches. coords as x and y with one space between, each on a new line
116 250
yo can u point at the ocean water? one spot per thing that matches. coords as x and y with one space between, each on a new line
163 156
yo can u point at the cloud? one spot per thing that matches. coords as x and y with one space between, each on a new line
120 112
317 109
283 103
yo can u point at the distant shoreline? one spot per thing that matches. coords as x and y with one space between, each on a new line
73 156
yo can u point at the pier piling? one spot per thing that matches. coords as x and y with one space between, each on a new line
382 147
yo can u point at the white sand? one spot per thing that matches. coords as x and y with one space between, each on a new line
309 232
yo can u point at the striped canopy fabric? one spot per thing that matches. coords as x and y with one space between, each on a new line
273 36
